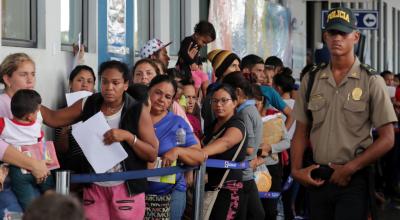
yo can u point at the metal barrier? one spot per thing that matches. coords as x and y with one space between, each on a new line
64 178
63 182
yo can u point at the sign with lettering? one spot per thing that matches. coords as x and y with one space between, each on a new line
366 19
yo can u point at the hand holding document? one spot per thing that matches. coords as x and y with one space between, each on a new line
171 179
89 135
41 151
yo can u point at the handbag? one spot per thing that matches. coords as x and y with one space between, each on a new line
262 178
211 196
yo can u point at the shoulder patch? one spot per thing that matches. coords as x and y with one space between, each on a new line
371 71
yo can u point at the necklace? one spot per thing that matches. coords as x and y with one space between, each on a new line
113 110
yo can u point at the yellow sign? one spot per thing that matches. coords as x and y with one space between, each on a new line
339 14
356 94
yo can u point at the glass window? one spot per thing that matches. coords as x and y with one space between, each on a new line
73 23
141 24
394 57
19 18
398 40
385 27
379 34
175 26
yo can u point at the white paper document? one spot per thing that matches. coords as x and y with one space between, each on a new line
89 135
75 96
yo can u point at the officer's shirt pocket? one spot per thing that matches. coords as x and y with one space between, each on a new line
318 107
355 113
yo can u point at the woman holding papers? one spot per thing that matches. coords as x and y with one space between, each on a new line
116 199
81 78
177 142
17 71
225 139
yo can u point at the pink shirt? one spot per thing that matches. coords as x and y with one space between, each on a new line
199 77
5 111
178 110
195 122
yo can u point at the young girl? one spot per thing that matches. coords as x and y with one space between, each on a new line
204 33
199 77
284 84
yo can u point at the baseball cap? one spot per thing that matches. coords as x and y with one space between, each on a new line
272 62
341 19
152 46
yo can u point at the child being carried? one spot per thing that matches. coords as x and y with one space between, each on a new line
25 129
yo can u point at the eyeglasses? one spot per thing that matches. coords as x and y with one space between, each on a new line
223 101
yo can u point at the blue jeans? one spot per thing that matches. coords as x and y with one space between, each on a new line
25 187
8 200
178 204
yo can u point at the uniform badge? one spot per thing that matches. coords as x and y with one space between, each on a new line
355 75
324 75
356 94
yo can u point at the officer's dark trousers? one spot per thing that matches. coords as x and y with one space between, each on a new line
332 202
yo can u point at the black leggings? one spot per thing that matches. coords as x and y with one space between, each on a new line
251 203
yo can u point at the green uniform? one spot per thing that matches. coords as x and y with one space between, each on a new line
343 115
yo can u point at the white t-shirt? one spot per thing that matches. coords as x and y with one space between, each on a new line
18 134
290 103
113 121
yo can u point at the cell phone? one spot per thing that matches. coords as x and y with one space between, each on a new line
322 172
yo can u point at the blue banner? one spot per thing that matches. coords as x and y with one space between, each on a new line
227 164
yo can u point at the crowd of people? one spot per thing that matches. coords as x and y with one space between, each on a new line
162 115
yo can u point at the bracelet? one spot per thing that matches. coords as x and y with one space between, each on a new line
134 141
205 156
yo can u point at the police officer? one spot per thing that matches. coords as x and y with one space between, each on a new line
345 101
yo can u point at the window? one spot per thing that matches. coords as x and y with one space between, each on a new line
19 23
379 35
141 26
176 26
394 57
74 21
398 38
385 30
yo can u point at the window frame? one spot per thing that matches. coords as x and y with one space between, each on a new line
85 29
181 27
32 43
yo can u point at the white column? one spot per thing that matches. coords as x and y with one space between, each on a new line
161 20
191 16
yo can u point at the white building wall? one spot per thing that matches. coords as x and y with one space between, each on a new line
52 64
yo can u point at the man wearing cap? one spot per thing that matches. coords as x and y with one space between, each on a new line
273 66
156 50
223 63
338 105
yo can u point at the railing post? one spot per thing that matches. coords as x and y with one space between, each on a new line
199 192
62 182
